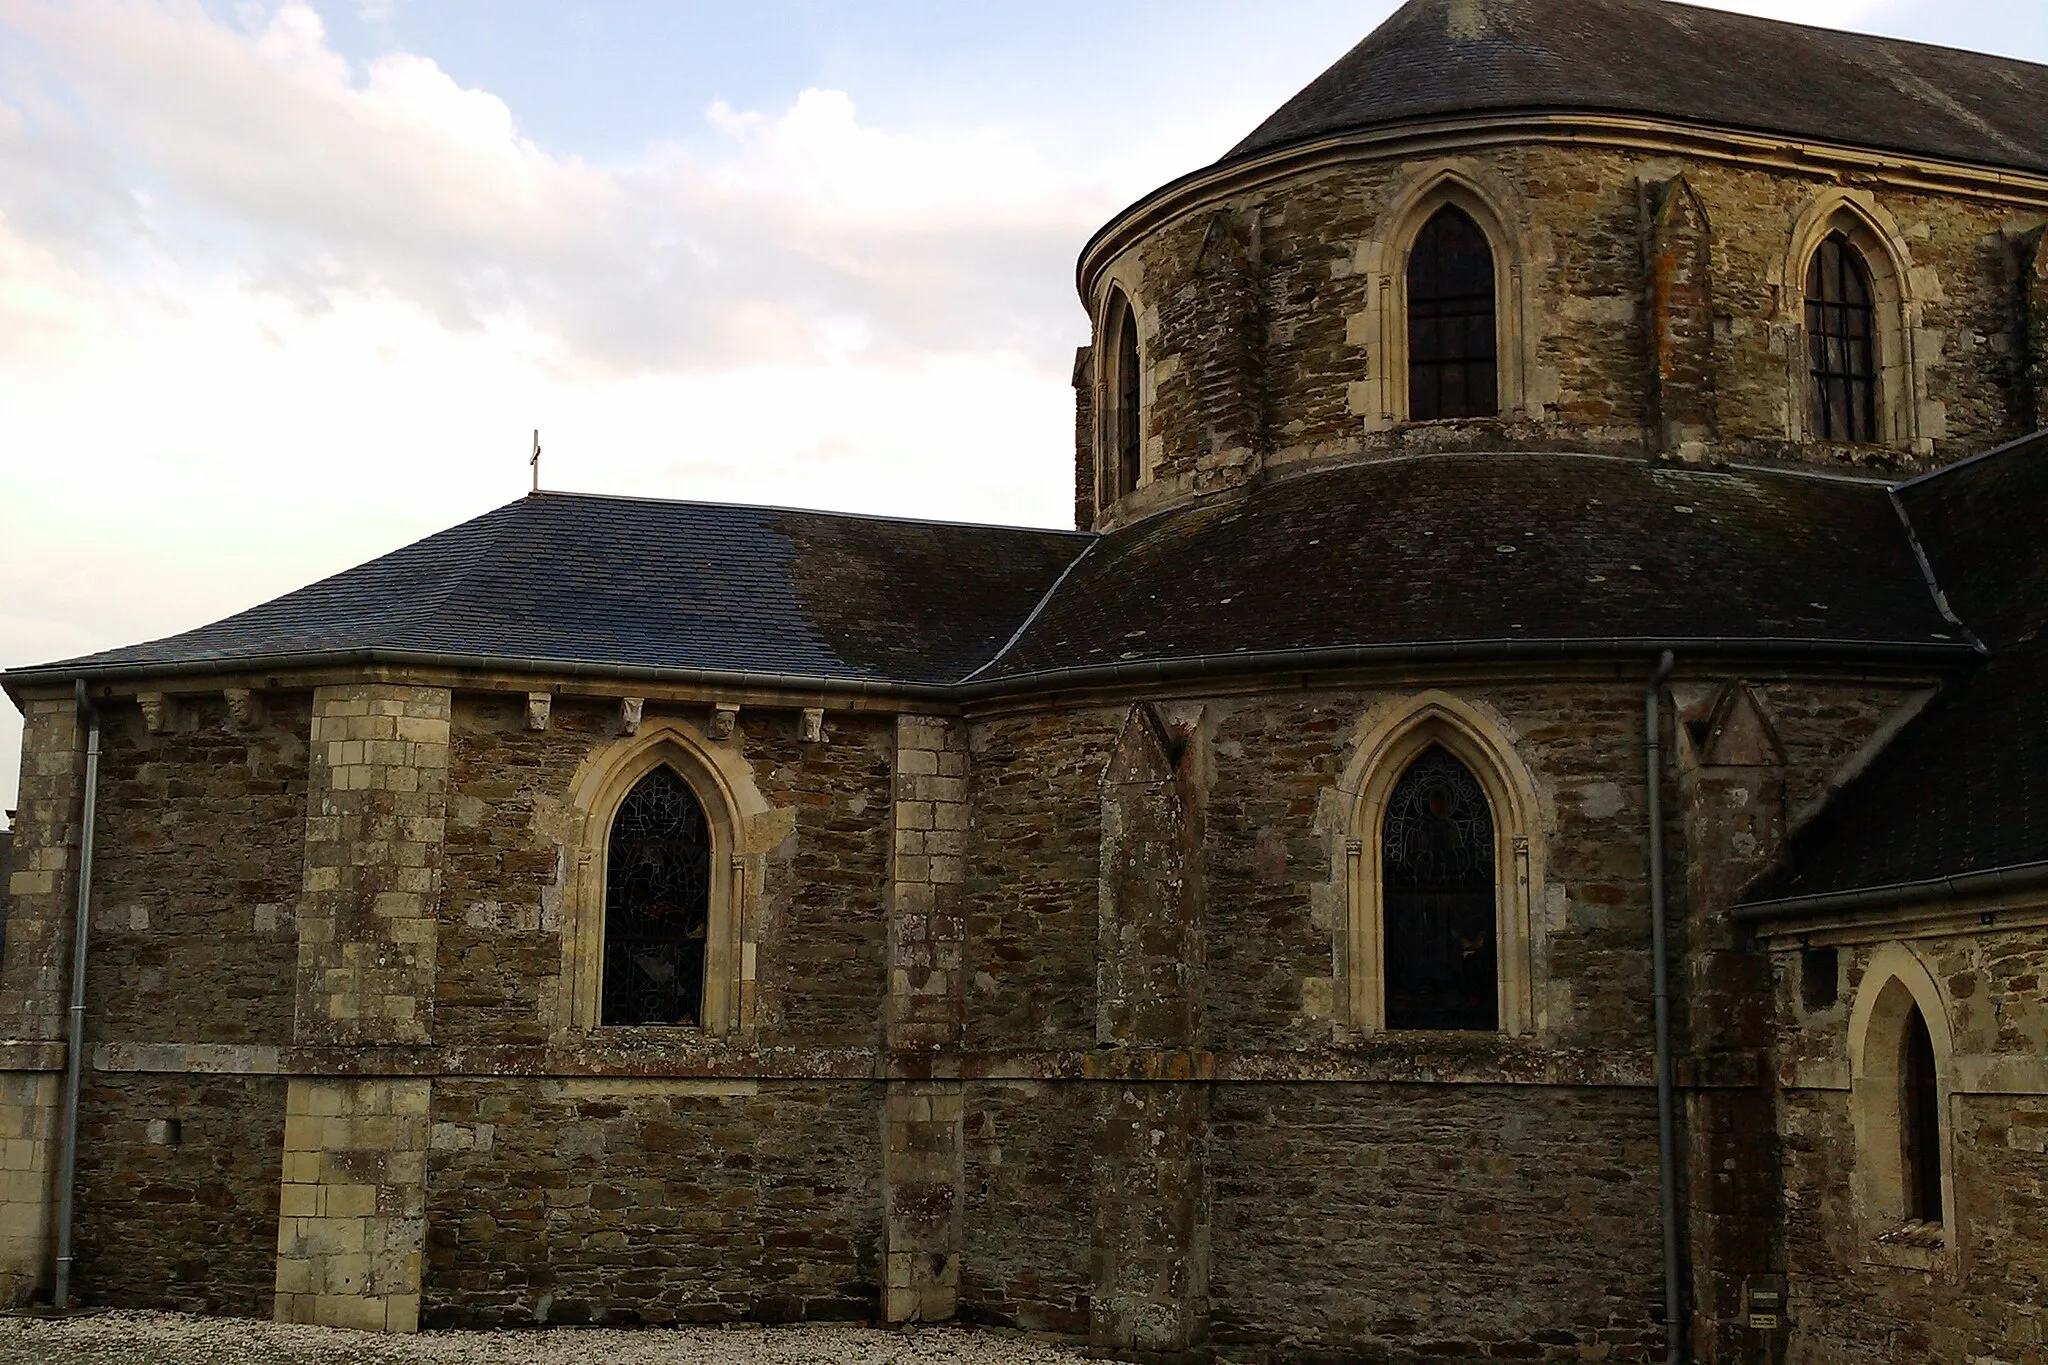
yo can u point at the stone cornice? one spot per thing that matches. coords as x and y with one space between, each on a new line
1737 146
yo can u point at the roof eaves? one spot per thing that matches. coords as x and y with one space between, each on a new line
2016 877
1123 671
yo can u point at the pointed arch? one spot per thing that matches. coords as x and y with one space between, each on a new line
733 812
1120 401
1384 398
1855 224
1904 1172
1385 754
1452 300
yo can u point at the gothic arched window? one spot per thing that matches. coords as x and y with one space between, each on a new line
1125 453
1920 1122
1841 343
1438 899
1451 336
657 904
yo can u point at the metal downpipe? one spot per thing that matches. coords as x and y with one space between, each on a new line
1660 999
74 1052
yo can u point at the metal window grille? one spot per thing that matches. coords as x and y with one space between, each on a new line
657 904
1438 898
1451 347
1841 343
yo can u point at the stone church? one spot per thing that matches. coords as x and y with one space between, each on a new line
1515 828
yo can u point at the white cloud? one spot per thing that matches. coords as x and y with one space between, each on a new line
264 314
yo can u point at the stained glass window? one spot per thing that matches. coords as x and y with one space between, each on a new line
1450 320
657 904
1920 1130
1841 343
1438 899
1129 433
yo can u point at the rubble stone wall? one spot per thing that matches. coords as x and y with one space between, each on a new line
198 861
1456 1222
178 1179
1214 1159
1850 1297
1598 373
670 1200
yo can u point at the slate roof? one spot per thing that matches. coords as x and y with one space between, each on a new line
1445 549
1429 550
1437 57
1965 788
635 583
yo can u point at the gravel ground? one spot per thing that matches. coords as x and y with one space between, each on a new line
176 1339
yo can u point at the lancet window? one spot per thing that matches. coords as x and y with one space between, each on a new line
1452 367
1920 1122
1841 343
1126 427
1437 861
657 904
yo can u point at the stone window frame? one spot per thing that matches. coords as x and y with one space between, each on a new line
1395 738
733 806
1381 261
1894 981
1117 290
1897 308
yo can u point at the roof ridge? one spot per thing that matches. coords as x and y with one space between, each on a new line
432 602
1032 615
1941 603
1968 460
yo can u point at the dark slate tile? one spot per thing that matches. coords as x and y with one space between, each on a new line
1439 57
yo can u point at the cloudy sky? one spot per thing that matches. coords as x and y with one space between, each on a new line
284 285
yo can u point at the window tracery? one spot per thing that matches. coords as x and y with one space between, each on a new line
1437 860
657 904
1442 859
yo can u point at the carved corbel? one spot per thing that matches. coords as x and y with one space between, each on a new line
245 708
631 709
159 712
538 707
814 725
724 716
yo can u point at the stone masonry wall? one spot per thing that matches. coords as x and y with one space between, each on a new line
34 983
928 1123
196 1161
1845 1302
1273 910
34 977
1032 888
509 828
1452 1222
613 1200
1025 1260
374 828
352 1206
1593 370
198 861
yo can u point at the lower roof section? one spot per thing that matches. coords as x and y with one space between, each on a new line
1438 549
636 584
1486 554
